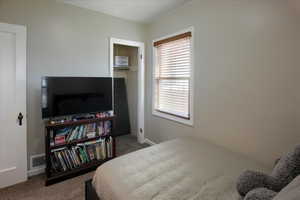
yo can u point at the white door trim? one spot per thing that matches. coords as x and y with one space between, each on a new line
141 80
20 32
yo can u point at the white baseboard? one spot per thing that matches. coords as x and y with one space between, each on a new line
147 141
36 171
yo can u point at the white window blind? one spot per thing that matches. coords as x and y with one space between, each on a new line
172 75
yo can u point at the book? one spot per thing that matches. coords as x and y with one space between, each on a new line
80 134
84 158
90 151
86 153
81 156
72 160
107 127
109 145
63 131
83 131
54 166
75 133
59 139
75 156
52 143
103 149
57 161
91 135
98 151
71 134
62 161
100 129
67 161
91 128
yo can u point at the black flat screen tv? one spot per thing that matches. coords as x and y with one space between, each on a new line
65 96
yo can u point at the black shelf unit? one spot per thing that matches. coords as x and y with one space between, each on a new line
51 177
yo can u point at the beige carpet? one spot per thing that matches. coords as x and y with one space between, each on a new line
72 189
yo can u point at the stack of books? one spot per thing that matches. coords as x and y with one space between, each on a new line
104 128
64 159
65 135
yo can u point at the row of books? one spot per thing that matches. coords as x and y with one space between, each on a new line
65 135
64 159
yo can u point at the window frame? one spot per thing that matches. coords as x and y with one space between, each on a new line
187 121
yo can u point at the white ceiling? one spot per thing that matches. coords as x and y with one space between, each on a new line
136 10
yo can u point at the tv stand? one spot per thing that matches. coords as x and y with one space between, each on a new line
57 176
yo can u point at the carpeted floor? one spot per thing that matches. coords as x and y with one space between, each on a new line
72 189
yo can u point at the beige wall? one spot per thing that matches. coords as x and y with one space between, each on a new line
245 69
62 40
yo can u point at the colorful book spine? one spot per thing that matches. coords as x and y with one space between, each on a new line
107 127
68 158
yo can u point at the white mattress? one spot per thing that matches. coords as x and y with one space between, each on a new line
175 170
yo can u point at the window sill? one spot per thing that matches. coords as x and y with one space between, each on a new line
188 122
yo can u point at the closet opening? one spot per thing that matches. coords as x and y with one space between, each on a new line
127 69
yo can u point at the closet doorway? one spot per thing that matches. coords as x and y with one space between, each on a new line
127 65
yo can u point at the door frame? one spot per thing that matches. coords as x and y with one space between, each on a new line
141 80
20 33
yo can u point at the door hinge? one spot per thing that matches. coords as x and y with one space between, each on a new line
141 56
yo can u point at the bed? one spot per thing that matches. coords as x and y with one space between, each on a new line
185 168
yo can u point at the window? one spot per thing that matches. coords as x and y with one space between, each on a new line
172 92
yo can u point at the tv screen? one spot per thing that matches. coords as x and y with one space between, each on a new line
62 96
